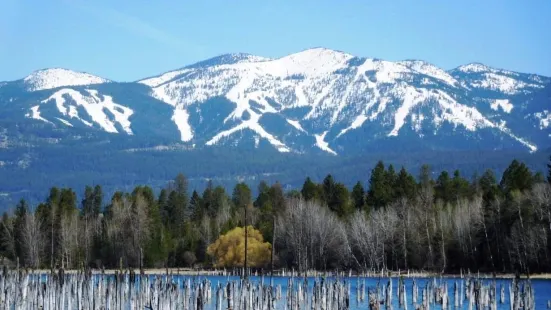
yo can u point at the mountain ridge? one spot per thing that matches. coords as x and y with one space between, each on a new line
316 99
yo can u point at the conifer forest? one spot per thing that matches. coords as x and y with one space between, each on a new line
394 220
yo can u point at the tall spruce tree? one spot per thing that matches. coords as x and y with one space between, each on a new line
549 171
309 190
358 196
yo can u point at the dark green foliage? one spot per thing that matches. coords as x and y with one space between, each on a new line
358 196
241 196
174 229
381 184
309 190
549 171
517 177
405 186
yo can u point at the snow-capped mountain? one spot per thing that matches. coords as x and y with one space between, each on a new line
57 77
317 100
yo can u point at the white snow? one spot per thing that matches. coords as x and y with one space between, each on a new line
158 80
57 77
35 113
474 67
320 142
544 118
180 118
337 92
430 70
253 125
357 123
410 98
94 106
64 122
504 104
296 124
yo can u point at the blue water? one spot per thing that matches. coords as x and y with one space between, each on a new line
542 289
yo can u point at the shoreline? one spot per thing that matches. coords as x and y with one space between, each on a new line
279 273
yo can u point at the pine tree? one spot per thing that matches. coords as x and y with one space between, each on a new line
309 190
97 204
328 189
88 201
460 186
196 206
380 191
405 185
443 187
517 177
549 171
425 179
21 211
358 196
488 185
340 200
263 197
241 196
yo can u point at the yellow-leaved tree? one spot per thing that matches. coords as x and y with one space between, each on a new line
229 249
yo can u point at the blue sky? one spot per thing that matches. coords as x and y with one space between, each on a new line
127 40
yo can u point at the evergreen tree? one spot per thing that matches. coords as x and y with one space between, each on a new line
21 211
309 190
460 186
549 171
425 179
539 178
241 196
7 242
328 189
207 201
340 200
97 204
263 197
88 201
405 185
443 188
380 191
277 197
517 177
391 182
196 206
358 196
162 202
488 186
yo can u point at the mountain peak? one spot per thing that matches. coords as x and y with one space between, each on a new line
227 59
473 67
59 77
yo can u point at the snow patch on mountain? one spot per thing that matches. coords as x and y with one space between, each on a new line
501 83
181 119
35 114
94 106
357 123
410 98
64 122
57 77
158 80
322 144
502 126
504 104
544 118
253 125
430 70
474 68
296 124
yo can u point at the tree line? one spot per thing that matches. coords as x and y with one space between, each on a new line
398 221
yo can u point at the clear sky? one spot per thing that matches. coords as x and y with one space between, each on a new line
126 40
